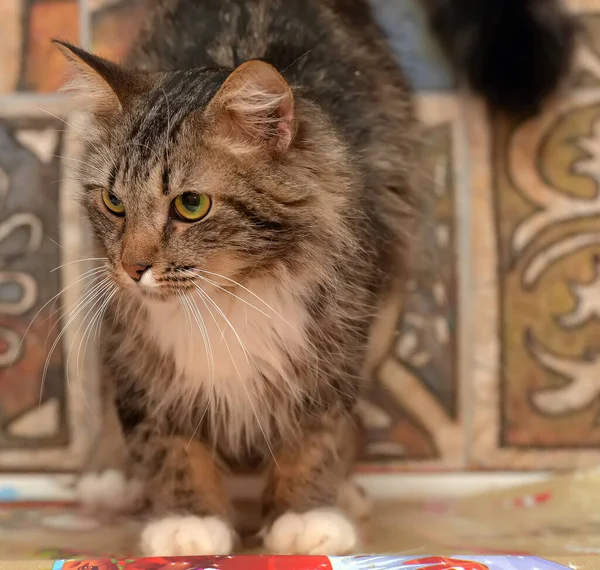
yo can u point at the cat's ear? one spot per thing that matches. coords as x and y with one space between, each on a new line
255 108
100 83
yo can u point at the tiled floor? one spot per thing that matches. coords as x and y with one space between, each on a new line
495 363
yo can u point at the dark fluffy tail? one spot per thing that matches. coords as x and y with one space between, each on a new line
512 52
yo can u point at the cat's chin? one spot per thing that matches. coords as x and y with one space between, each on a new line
156 294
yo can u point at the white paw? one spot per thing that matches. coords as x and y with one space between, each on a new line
187 536
108 491
320 531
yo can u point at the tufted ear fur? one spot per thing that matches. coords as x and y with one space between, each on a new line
255 109
101 84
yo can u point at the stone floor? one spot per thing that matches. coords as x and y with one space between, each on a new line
556 516
496 359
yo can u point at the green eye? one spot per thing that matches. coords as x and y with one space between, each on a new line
113 203
191 206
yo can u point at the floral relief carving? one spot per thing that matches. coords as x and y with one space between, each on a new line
548 222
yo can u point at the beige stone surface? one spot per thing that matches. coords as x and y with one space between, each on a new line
536 216
496 358
58 435
421 373
556 517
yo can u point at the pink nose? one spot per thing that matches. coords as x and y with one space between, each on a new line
135 271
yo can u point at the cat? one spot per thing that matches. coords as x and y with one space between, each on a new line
250 177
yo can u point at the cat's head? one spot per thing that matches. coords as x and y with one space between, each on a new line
207 176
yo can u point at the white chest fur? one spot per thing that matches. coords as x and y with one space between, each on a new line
231 351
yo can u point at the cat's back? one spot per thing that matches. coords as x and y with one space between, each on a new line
332 49
184 34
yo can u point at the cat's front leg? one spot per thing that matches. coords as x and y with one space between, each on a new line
301 497
190 512
107 485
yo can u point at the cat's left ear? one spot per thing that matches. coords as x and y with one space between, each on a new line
255 108
105 86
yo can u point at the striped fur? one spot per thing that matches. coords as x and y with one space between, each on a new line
308 156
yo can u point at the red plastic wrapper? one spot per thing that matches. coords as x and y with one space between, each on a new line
365 562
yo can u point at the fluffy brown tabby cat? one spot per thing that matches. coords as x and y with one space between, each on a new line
249 179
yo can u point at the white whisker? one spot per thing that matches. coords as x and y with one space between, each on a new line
103 310
80 307
79 261
187 318
59 311
143 146
95 295
90 274
97 298
109 294
208 298
246 302
96 167
215 284
244 288
205 297
203 331
86 275
168 126
90 293
71 127
98 301
189 303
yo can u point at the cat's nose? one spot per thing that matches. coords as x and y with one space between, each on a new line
135 271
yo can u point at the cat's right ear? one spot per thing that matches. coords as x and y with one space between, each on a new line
254 109
103 86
